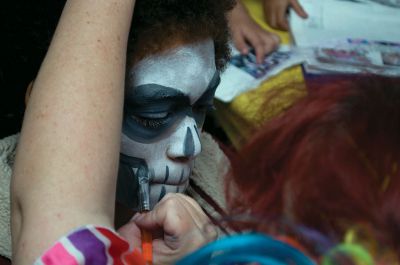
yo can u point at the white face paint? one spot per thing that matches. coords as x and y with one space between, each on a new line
164 110
188 68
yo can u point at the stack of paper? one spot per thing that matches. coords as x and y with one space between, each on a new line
351 36
244 74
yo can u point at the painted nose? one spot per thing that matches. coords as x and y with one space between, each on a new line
186 145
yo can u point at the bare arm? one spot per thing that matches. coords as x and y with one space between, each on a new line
66 164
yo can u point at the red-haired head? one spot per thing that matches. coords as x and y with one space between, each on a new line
331 161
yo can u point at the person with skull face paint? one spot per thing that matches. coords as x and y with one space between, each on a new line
174 62
163 116
64 96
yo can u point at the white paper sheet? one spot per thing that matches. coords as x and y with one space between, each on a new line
336 19
243 74
349 36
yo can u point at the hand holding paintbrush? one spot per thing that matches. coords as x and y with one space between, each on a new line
178 225
177 221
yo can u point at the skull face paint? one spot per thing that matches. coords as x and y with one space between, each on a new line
167 96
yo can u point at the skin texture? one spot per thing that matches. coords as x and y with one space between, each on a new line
76 107
179 227
246 33
167 97
79 86
275 12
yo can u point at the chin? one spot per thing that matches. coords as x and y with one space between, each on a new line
158 191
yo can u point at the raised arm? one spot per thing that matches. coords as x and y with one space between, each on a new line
66 165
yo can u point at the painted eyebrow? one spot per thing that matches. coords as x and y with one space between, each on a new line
154 93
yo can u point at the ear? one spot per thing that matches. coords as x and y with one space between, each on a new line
28 92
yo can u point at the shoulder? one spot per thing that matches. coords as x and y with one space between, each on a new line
7 154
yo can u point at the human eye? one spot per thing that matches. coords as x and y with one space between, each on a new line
151 120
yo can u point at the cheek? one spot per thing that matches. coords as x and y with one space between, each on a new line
158 191
148 152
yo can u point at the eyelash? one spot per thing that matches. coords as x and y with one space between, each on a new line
152 123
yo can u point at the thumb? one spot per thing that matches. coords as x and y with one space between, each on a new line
147 220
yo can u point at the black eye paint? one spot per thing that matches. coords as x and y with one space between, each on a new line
206 101
151 109
155 96
208 95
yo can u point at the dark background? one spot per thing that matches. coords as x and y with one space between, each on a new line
26 28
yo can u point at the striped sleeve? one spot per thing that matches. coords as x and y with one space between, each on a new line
91 245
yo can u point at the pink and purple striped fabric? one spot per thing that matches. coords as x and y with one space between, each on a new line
91 245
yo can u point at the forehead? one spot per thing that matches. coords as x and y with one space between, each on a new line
187 68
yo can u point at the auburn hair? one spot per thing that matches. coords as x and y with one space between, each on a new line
157 24
329 162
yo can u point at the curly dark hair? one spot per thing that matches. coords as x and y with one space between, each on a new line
159 23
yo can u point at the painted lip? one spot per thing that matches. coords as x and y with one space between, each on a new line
172 178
